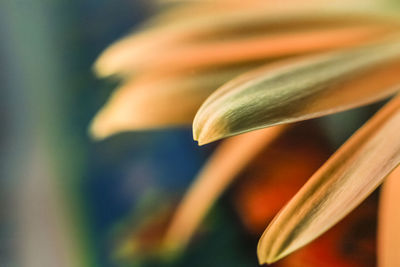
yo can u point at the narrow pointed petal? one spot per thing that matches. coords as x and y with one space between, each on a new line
300 89
219 172
129 54
339 186
270 46
389 222
155 101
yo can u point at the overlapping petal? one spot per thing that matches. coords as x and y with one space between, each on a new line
192 29
155 101
182 55
346 179
300 89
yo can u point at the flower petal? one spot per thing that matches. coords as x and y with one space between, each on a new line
131 53
296 90
229 159
389 222
155 101
269 46
345 180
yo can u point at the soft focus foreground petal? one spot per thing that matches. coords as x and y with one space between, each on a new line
300 89
175 31
225 164
389 222
156 100
345 180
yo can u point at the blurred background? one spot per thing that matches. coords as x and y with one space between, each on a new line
66 200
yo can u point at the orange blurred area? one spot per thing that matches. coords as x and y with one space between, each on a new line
277 174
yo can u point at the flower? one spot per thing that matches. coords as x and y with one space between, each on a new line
273 62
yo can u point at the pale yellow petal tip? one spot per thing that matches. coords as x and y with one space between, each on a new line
97 130
269 251
206 137
106 65
196 134
208 132
270 260
121 57
267 256
103 126
112 61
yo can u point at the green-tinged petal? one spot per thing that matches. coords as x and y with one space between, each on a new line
389 222
130 54
345 180
219 172
300 89
233 12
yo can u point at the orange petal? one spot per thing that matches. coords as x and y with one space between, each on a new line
266 46
129 54
345 180
389 222
156 100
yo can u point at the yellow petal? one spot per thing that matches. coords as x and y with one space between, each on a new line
225 164
389 222
300 89
345 180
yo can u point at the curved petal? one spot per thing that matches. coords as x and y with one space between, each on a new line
129 54
225 164
300 89
265 46
231 9
389 222
345 180
155 101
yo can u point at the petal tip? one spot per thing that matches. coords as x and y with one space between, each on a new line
111 62
268 257
104 125
206 137
212 130
96 131
103 67
270 248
